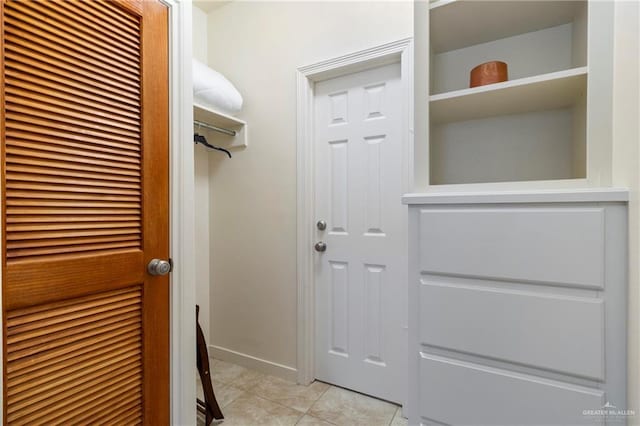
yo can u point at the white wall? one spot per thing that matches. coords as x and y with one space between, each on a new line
199 33
626 161
258 46
201 190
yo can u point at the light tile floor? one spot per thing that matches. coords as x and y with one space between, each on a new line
249 398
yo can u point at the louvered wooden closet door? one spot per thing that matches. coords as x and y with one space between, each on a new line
84 126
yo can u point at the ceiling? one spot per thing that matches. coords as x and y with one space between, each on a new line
209 5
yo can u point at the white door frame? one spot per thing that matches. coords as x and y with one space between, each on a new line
182 211
183 338
398 51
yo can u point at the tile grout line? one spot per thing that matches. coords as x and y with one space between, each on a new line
329 386
393 417
318 398
226 384
262 397
254 394
303 413
276 402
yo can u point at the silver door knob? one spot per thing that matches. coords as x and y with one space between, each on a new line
322 225
159 267
320 246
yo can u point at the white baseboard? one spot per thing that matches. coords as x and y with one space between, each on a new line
253 363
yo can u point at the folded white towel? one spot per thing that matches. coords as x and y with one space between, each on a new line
212 89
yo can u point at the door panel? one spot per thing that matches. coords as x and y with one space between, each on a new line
85 208
361 278
48 374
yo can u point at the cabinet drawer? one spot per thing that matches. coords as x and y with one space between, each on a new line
462 393
549 331
549 245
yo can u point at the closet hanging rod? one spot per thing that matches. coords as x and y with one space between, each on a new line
215 128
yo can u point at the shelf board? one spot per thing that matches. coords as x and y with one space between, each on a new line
548 91
457 23
218 119
211 116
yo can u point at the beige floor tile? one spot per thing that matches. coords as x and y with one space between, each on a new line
225 395
308 420
343 407
215 383
251 410
289 394
398 420
248 379
200 420
225 372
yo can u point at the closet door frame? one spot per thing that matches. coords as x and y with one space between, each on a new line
182 233
183 342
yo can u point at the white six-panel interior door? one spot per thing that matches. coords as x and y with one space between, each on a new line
360 279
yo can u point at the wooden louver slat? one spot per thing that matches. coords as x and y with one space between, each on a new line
42 42
27 177
19 88
40 29
63 401
32 54
16 184
64 111
17 153
55 360
52 171
94 22
27 76
65 218
70 147
109 316
22 128
79 361
121 403
48 120
71 204
35 390
39 16
72 129
36 109
52 245
56 167
58 353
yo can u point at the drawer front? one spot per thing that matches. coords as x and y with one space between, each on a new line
563 246
463 393
556 332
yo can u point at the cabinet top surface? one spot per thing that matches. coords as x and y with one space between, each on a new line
594 195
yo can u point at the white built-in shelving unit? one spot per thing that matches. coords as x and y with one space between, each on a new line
549 125
512 181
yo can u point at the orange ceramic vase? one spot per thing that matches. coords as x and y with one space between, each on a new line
488 73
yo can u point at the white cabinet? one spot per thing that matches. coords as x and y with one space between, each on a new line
549 125
517 307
